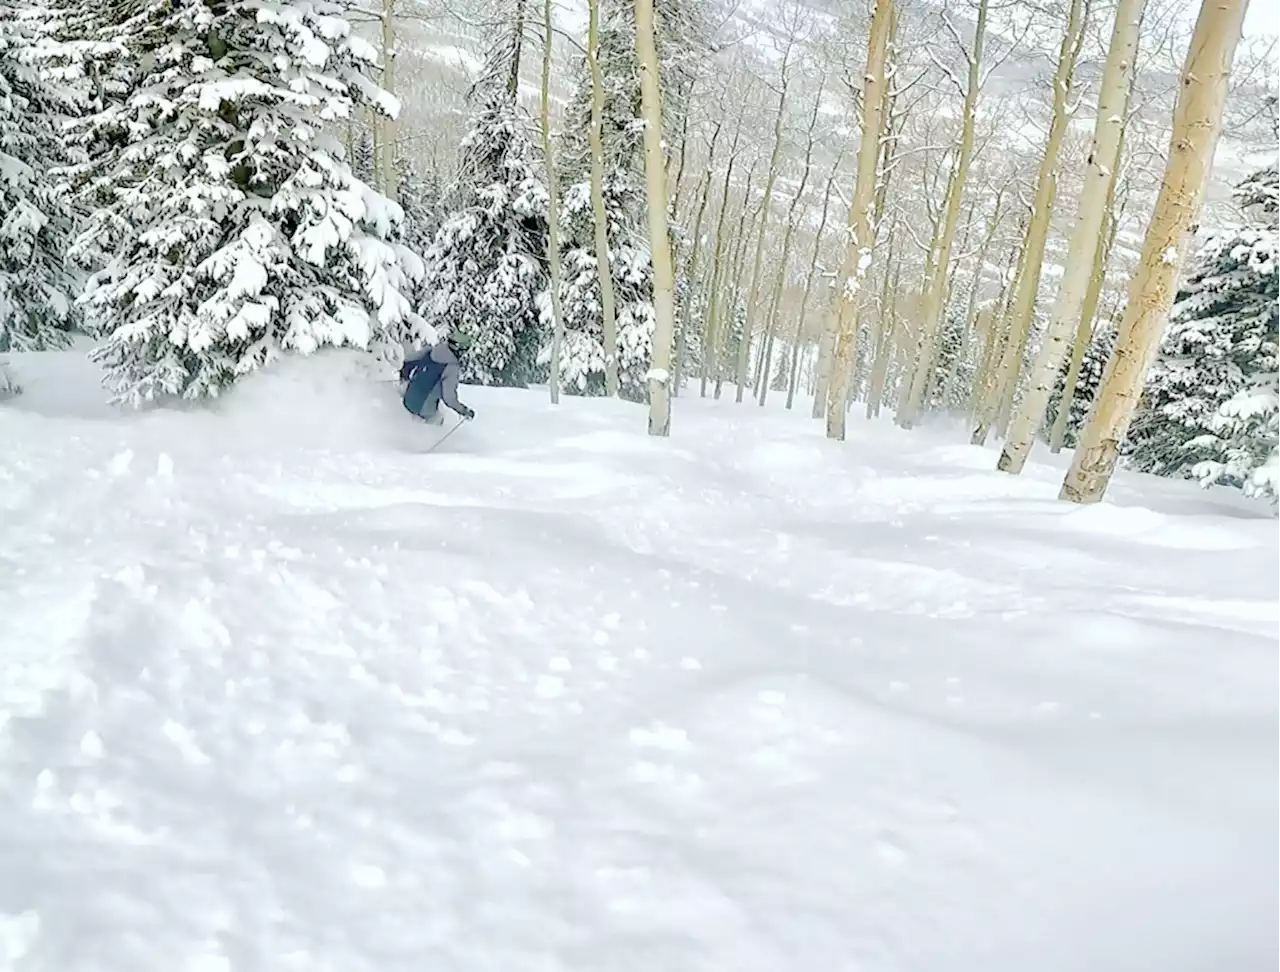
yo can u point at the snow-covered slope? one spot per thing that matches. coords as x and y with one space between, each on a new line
278 691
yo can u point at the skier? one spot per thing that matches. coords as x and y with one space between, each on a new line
433 378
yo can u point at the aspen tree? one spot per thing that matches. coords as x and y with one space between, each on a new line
604 263
987 389
1022 308
1197 122
691 274
775 155
655 174
936 280
969 328
385 126
715 276
883 334
1086 236
810 274
733 281
553 211
724 267
1084 333
862 231
771 323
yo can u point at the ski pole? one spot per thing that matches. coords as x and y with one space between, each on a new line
446 435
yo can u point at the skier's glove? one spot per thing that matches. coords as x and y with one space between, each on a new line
468 413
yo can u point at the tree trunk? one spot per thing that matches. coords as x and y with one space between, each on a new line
1197 121
884 332
969 328
604 262
655 176
385 128
810 274
787 238
676 189
1086 237
1024 300
936 281
732 287
691 275
986 391
553 208
862 231
744 350
1084 333
710 332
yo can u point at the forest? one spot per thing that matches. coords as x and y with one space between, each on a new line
1057 221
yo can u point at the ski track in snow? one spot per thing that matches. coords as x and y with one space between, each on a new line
279 692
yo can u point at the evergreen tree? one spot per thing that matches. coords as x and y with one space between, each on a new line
37 290
1208 410
1242 436
1089 380
362 155
419 198
681 40
487 265
237 230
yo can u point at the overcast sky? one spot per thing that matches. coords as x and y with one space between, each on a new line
1262 18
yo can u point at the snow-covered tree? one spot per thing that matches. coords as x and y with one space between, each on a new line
362 153
487 265
239 231
1093 363
419 198
37 288
1209 408
1240 445
680 36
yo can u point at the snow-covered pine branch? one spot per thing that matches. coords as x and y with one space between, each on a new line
239 230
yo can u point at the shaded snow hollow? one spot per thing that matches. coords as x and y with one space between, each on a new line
280 692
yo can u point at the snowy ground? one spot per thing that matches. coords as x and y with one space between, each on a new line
279 692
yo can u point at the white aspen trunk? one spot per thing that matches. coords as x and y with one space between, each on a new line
809 275
553 208
1086 237
969 329
1197 122
936 281
710 332
604 262
884 332
744 350
655 176
827 338
1084 333
692 273
732 286
988 394
675 187
916 303
873 328
788 236
386 148
1018 332
822 367
862 231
